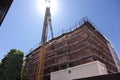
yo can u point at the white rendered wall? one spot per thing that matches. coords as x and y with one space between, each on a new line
85 70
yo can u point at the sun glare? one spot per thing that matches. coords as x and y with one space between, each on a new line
41 6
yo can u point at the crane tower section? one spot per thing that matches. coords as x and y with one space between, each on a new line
42 50
47 22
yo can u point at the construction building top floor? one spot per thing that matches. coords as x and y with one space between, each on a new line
82 45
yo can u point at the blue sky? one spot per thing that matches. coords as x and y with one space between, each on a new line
23 23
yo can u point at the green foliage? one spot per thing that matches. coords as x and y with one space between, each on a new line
11 65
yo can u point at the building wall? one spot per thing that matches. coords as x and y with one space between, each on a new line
94 68
82 45
115 57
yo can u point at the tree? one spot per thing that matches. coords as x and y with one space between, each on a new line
11 65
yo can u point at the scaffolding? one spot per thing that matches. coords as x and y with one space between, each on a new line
81 45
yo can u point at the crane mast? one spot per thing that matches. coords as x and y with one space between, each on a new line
42 50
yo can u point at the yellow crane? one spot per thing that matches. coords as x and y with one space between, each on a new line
42 50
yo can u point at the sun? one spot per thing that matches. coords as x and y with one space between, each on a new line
41 6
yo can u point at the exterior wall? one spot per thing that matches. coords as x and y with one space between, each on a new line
82 45
85 70
99 48
115 57
30 66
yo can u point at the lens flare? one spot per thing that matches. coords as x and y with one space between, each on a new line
41 5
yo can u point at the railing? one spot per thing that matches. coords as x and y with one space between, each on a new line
76 25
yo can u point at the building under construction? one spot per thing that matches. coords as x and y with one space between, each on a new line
82 45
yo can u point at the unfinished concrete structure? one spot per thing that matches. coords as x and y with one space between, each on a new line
90 69
82 45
